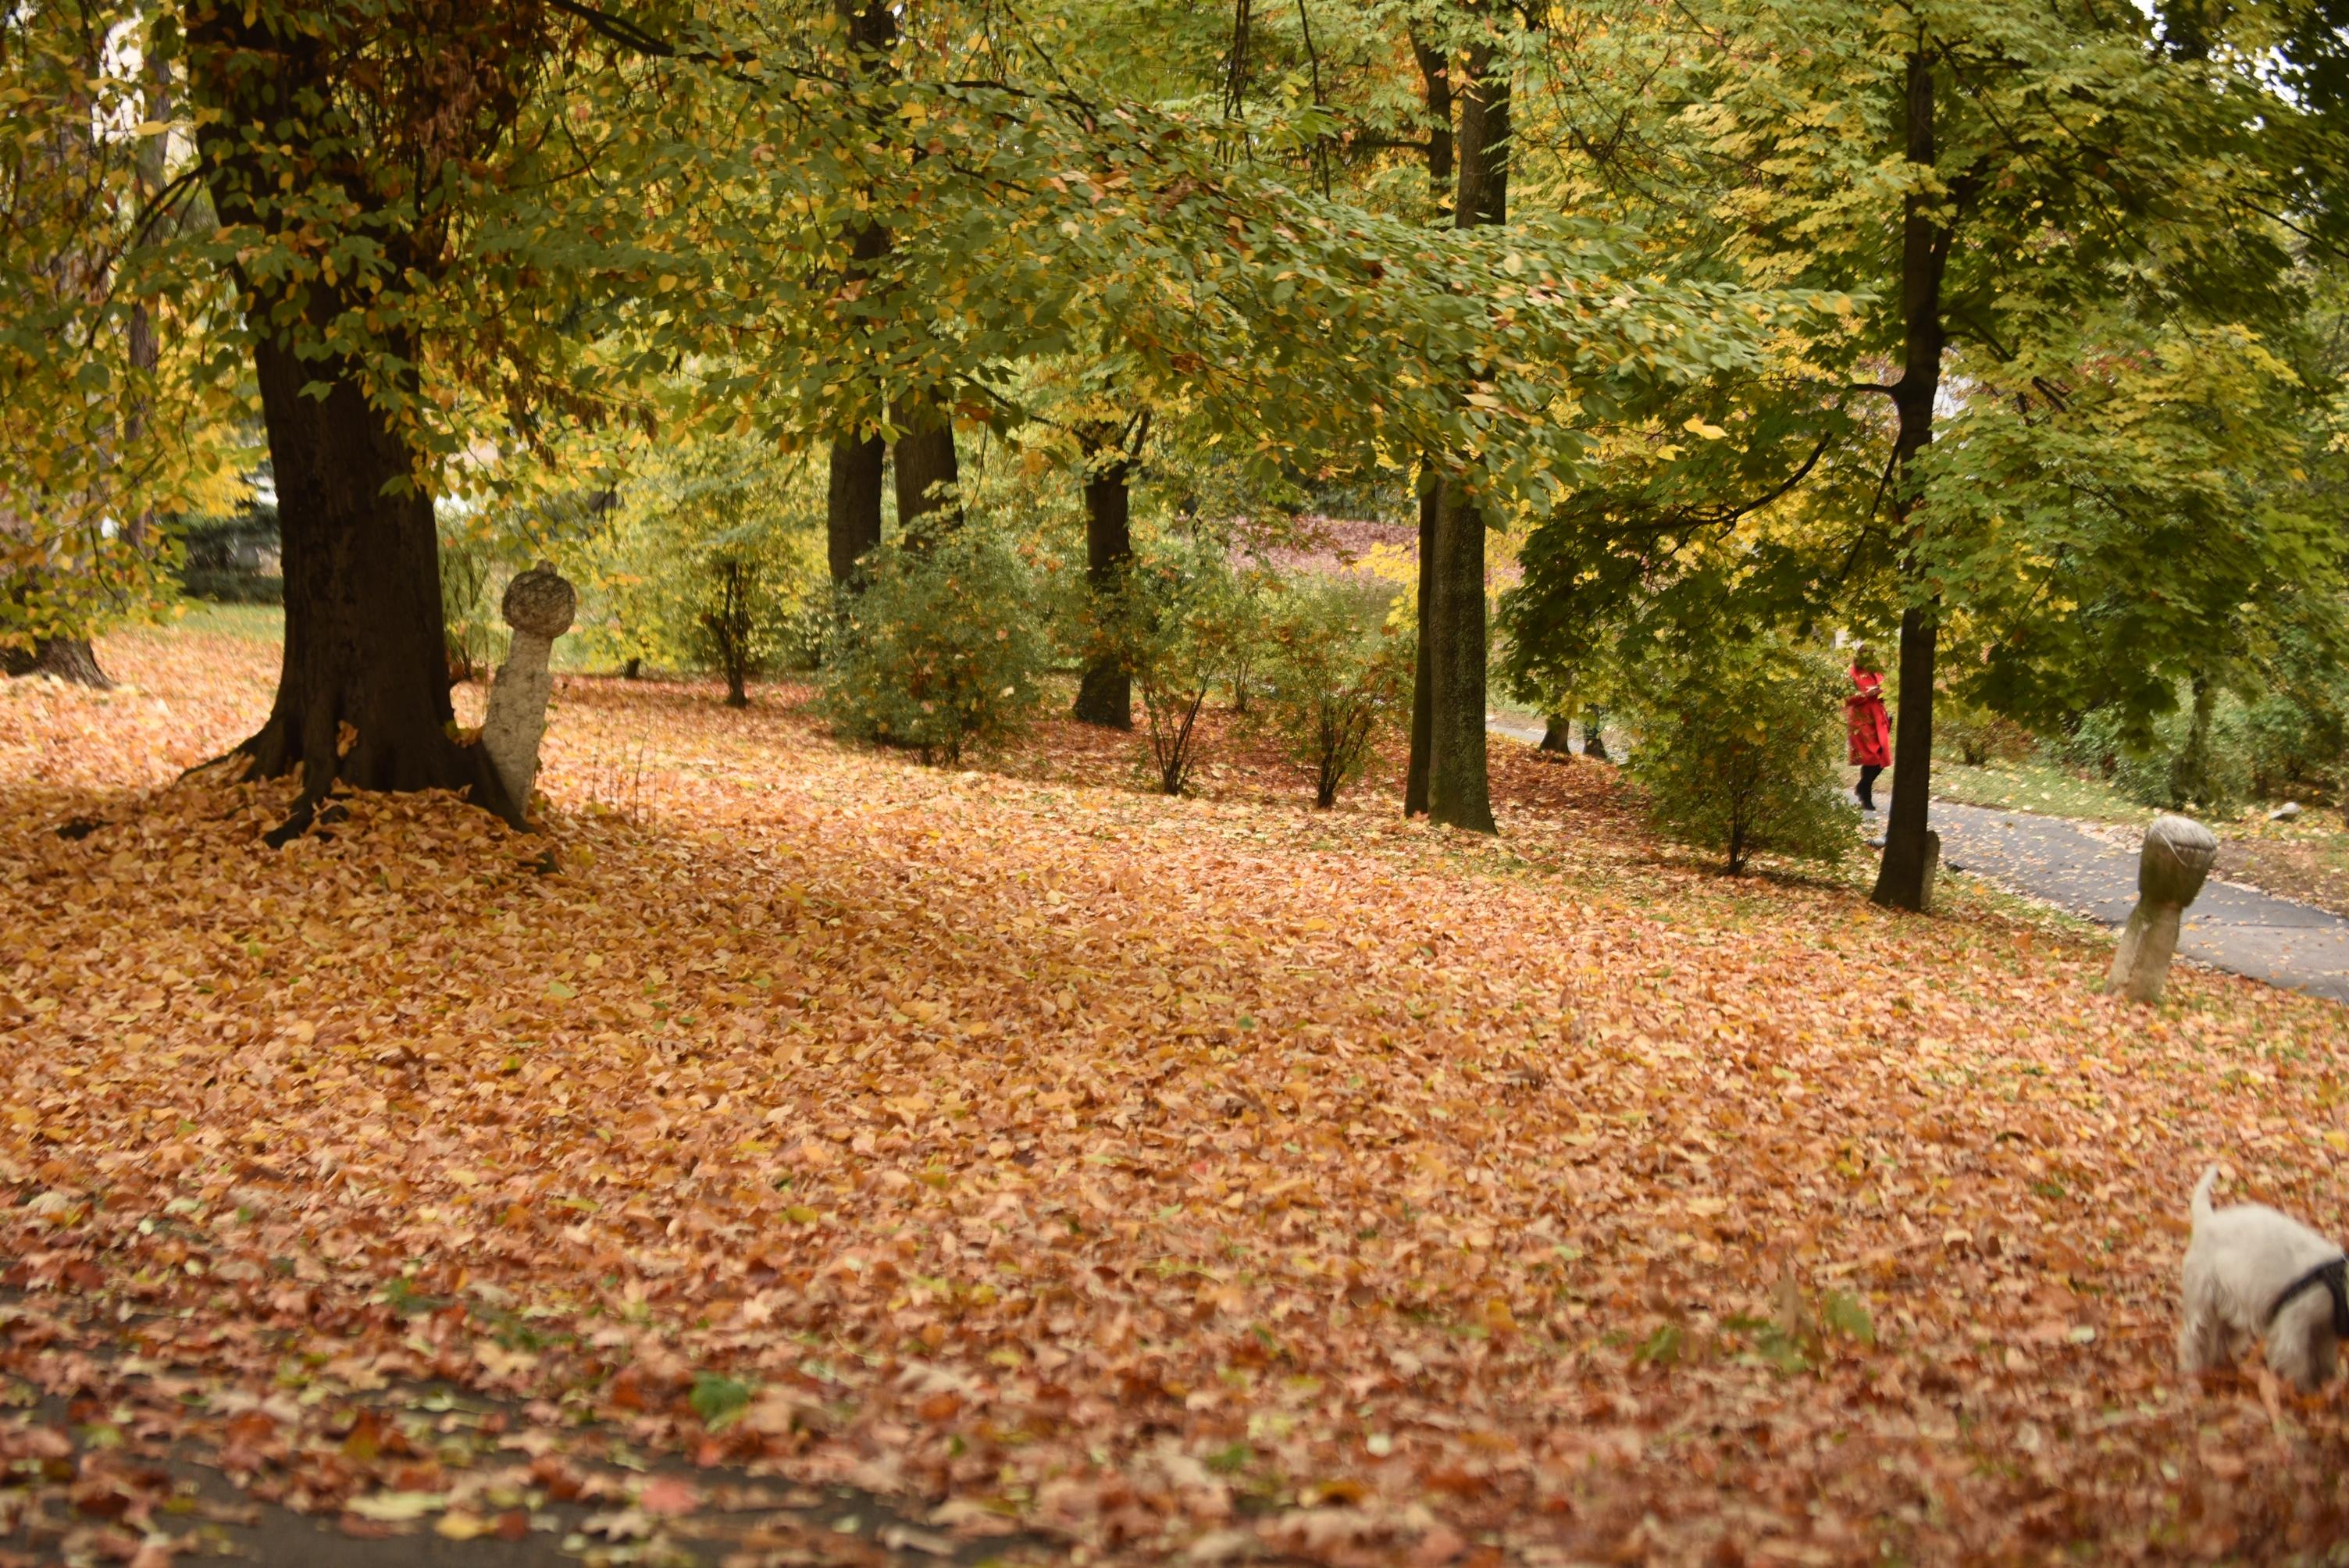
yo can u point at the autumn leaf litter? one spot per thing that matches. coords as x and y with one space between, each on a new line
1205 1180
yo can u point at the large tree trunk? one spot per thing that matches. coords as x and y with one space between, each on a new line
365 645
1422 679
363 686
1458 785
63 658
1458 790
1902 878
1105 695
853 504
926 469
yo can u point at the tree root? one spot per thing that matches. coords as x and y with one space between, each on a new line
69 660
270 753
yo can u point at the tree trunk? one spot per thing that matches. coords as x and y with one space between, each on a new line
1901 879
364 645
68 659
1557 735
1458 788
926 469
853 504
1594 738
363 684
2189 770
1435 78
1105 695
1458 793
1422 680
1436 83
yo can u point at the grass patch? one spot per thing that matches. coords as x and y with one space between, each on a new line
2034 786
245 623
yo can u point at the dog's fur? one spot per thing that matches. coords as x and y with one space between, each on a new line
2240 1260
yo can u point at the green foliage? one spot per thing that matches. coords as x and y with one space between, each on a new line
1741 748
1340 676
472 625
706 558
2151 533
1664 1347
2198 757
1977 736
1846 1315
942 649
717 1399
1180 625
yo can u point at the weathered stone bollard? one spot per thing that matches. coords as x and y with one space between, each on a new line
2170 869
539 605
1932 870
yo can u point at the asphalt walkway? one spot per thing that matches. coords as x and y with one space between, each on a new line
2238 929
2229 927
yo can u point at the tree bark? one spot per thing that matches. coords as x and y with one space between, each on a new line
364 640
1458 790
853 501
1901 878
68 659
1557 736
1435 84
926 469
1422 679
1458 786
853 504
363 686
1436 80
1105 693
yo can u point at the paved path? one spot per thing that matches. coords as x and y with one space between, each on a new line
2234 928
2229 927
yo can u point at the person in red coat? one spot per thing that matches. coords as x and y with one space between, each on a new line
1871 727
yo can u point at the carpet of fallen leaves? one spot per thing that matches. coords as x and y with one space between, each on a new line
1209 1178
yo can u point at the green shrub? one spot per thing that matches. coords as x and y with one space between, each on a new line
2187 764
1741 748
1340 676
941 651
2296 723
1247 634
1978 736
711 557
1181 621
803 633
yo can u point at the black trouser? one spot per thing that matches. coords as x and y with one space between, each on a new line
1868 775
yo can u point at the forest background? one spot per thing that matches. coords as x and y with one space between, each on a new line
1110 1149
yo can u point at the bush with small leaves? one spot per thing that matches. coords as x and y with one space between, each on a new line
942 651
1976 735
1339 673
1181 625
1740 749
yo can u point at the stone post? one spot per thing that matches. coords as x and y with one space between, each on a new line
539 605
1932 870
2171 869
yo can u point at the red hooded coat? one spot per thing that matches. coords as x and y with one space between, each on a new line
1871 730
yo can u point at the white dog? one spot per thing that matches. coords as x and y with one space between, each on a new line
2250 1269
